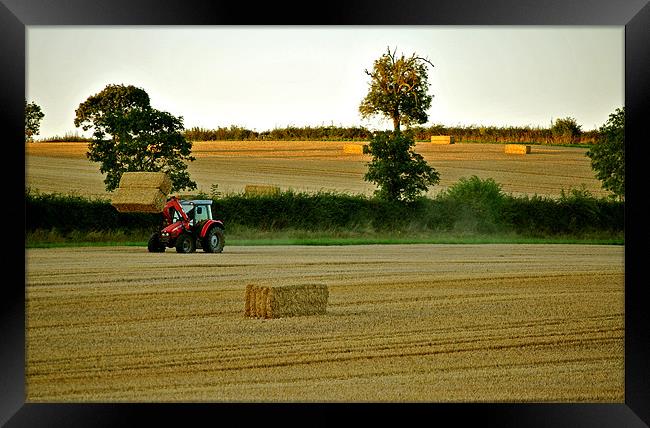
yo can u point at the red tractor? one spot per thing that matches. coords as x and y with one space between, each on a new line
188 225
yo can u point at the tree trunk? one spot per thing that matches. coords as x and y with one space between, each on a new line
396 123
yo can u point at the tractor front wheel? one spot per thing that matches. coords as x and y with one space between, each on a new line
213 241
154 245
185 244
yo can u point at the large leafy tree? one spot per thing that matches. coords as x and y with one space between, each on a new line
608 155
33 117
398 91
130 135
566 130
399 172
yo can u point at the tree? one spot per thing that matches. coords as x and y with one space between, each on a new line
130 135
566 129
33 117
608 155
398 90
400 173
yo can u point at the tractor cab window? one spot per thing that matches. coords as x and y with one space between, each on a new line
190 211
201 213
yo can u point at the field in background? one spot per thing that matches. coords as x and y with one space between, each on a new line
429 323
321 165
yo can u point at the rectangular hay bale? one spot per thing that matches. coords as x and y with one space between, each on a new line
138 200
286 301
248 298
262 294
519 149
296 300
442 139
146 180
258 189
353 149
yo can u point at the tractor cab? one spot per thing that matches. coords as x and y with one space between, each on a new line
197 210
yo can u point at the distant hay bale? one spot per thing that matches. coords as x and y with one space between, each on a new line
442 139
256 189
519 149
146 180
286 301
353 149
138 200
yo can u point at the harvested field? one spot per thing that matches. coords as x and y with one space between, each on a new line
432 323
322 165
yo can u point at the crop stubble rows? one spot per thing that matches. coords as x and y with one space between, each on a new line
321 165
404 323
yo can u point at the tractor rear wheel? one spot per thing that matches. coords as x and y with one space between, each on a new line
154 245
185 244
213 241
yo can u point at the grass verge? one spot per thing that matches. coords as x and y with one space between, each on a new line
325 239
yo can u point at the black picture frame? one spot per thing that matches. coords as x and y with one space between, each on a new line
16 15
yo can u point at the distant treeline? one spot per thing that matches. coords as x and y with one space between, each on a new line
467 134
471 133
290 133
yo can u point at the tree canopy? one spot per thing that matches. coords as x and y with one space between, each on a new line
608 155
33 117
399 172
130 135
566 130
398 90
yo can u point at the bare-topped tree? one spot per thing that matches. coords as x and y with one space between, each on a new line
398 89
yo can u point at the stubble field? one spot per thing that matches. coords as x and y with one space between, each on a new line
404 323
322 165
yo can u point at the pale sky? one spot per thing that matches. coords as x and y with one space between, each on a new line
262 77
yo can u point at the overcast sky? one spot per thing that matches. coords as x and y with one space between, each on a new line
267 77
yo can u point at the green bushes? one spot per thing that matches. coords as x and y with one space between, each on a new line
471 206
475 205
68 213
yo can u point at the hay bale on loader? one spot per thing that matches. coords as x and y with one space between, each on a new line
142 192
285 301
139 200
147 180
518 149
